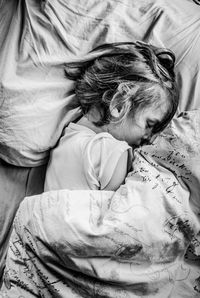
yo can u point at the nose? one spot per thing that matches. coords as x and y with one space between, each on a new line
148 140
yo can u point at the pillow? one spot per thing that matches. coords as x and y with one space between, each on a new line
34 93
39 37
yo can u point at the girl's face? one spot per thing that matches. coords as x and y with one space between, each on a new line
137 131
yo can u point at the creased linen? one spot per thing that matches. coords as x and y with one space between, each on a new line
141 241
39 37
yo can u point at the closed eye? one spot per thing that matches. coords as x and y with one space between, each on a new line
150 124
154 126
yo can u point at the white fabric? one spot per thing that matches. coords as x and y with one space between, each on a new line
38 37
141 241
83 159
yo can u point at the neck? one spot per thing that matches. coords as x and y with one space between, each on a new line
87 121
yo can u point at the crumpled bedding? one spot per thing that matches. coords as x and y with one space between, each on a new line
141 241
38 37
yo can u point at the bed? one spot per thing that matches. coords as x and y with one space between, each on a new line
142 240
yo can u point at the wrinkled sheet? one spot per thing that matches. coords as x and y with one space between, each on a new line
15 184
38 37
141 241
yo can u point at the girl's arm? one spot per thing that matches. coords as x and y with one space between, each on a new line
119 174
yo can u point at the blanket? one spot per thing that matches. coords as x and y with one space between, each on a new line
141 241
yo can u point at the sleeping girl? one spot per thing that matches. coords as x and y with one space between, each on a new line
127 94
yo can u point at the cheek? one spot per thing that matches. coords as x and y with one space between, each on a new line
135 136
134 132
138 133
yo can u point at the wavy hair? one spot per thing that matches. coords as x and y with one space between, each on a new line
126 75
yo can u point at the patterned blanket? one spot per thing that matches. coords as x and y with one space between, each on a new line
140 241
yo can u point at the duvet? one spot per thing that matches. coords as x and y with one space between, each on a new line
140 241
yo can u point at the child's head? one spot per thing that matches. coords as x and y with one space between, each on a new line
122 80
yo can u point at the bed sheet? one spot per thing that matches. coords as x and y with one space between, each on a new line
39 37
141 241
15 184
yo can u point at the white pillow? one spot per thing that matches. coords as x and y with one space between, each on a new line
36 41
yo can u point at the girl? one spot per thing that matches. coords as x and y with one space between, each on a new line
127 94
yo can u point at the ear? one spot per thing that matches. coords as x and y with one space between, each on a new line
115 112
115 106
